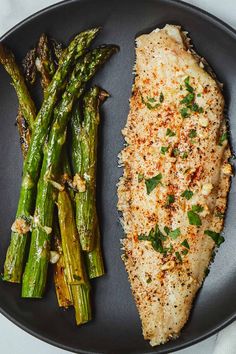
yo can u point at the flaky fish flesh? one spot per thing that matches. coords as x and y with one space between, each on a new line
176 178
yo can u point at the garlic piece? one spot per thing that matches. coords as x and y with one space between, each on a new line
203 121
168 265
207 188
79 183
54 257
227 169
205 211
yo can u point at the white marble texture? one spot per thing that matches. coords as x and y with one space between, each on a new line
14 340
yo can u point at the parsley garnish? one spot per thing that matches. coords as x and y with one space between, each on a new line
169 132
197 208
151 183
185 244
199 95
140 177
223 137
178 256
188 99
184 112
185 155
216 237
187 194
187 85
149 102
156 237
164 149
176 152
219 215
170 199
174 233
192 133
167 230
161 99
184 252
149 280
194 218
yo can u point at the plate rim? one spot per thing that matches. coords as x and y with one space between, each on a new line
225 27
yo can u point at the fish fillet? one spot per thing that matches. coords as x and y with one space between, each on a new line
176 178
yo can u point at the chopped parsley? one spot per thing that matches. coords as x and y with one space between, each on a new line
149 280
184 112
176 152
197 208
199 95
149 103
187 194
164 149
187 85
216 237
219 215
174 233
185 244
192 133
178 256
194 218
170 199
185 155
167 230
156 238
161 98
184 252
151 183
170 132
140 177
223 137
189 101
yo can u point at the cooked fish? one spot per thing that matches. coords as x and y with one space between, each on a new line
176 178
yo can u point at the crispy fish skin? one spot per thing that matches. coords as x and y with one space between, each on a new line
164 287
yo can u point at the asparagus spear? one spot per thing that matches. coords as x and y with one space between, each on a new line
26 103
94 259
16 251
80 293
36 268
84 151
46 67
44 61
29 67
63 290
81 300
70 240
29 71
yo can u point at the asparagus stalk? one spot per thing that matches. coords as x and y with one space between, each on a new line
70 240
46 67
80 293
44 61
94 259
63 290
82 305
26 103
84 151
36 268
16 251
29 71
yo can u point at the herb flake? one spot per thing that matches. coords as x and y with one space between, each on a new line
216 237
187 194
153 182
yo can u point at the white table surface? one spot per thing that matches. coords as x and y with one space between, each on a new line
14 340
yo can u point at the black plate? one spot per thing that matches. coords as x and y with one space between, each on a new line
116 327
